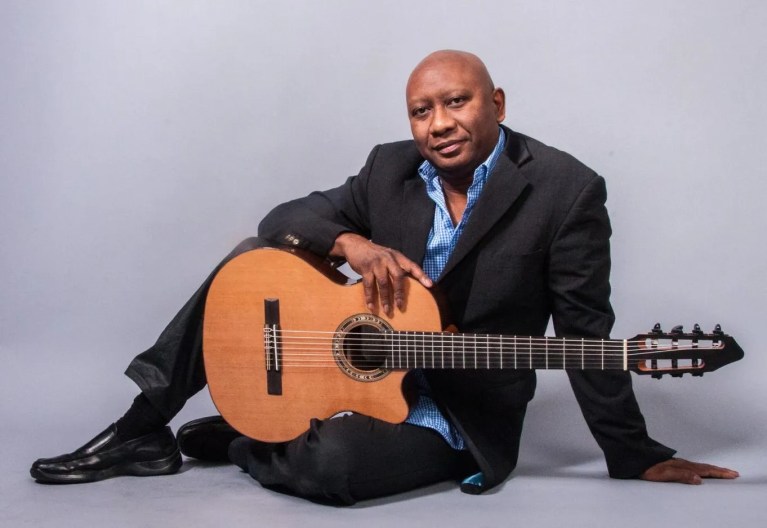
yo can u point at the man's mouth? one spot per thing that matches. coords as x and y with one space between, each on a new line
448 147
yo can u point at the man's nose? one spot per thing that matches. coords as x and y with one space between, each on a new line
442 121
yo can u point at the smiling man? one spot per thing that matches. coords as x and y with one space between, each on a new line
513 232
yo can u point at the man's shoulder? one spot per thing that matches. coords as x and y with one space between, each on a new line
395 157
545 154
543 163
398 148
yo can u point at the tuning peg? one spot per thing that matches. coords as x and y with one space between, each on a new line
718 330
657 376
677 374
697 373
678 329
657 329
696 329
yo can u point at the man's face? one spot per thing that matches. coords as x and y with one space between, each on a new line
454 114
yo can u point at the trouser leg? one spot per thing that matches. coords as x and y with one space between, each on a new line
172 371
351 458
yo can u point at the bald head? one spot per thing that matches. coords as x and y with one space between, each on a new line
454 111
463 60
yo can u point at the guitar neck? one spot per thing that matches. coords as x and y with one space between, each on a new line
446 350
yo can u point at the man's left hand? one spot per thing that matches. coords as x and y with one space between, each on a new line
685 472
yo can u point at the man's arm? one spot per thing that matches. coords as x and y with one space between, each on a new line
335 223
579 280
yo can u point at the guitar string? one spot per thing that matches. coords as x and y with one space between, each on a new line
491 344
313 349
322 337
294 356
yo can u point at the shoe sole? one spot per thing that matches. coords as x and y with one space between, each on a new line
150 468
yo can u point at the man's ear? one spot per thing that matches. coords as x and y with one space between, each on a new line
499 99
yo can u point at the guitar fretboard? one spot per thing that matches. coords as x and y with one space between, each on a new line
446 350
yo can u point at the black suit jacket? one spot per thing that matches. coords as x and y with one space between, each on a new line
536 246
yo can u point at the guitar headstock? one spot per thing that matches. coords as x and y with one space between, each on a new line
678 352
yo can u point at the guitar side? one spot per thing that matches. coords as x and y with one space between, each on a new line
311 307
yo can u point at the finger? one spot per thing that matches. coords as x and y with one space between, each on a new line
722 473
384 288
706 470
670 473
399 286
414 270
369 286
685 476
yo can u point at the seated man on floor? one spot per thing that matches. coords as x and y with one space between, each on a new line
513 232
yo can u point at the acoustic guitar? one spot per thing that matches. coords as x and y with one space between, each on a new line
288 338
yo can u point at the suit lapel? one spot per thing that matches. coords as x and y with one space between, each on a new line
417 219
503 188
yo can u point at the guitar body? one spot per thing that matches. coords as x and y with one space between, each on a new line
314 299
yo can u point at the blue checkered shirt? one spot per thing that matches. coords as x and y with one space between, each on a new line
442 240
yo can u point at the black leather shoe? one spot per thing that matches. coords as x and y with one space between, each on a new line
107 456
206 439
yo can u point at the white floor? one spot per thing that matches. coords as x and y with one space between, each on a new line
208 495
561 479
539 494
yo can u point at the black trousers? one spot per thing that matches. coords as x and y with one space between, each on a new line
351 458
341 460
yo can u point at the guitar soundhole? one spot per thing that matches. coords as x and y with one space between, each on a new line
364 346
360 347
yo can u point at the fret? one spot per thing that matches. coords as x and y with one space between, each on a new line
530 350
419 347
417 362
431 347
452 351
602 342
546 341
386 336
625 354
442 350
403 349
582 354
432 344
564 352
557 353
487 347
416 349
463 350
515 352
501 352
407 351
475 351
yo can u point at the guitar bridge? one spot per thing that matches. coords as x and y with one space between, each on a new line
272 348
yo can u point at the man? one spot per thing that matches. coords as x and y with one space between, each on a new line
512 231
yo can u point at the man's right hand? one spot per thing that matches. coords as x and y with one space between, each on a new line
383 270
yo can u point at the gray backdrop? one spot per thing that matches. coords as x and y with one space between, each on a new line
139 141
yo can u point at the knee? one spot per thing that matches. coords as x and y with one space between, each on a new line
324 474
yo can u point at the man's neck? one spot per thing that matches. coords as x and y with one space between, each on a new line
456 196
456 184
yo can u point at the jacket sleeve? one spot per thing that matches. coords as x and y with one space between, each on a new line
315 221
579 278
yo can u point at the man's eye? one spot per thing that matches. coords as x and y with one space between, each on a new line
456 101
421 110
